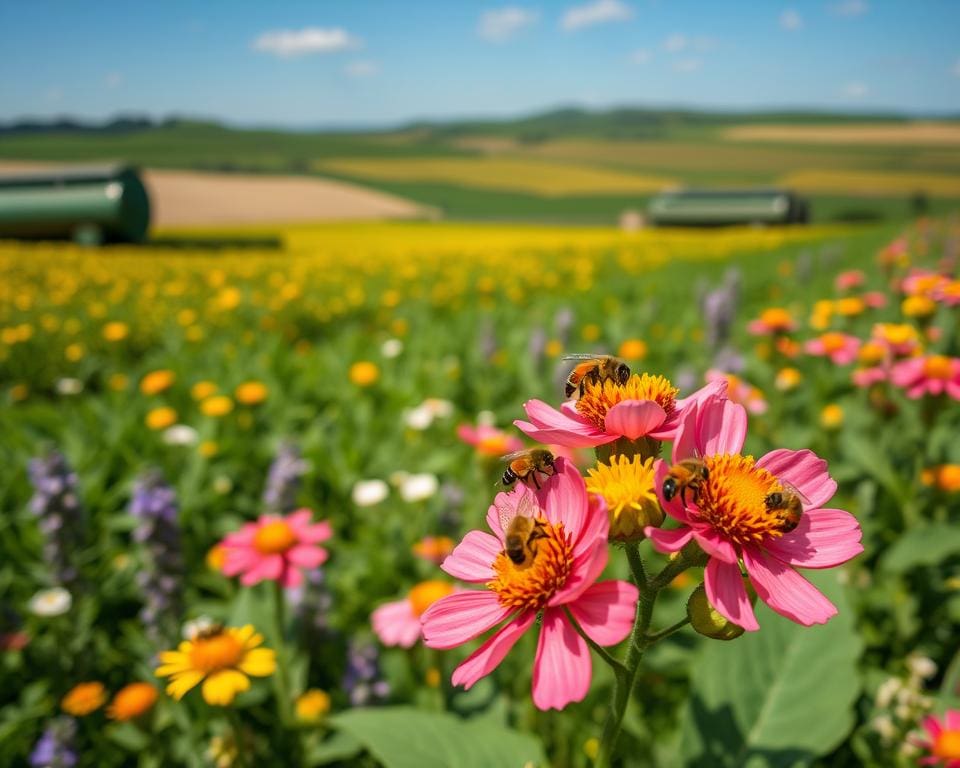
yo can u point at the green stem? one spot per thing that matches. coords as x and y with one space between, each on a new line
598 649
237 727
656 637
281 680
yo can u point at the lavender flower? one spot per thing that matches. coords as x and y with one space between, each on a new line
56 503
55 749
154 504
362 680
283 479
719 307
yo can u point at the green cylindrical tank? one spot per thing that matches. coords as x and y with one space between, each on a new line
103 203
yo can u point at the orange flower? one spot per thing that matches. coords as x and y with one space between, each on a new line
161 418
83 699
218 405
116 331
251 392
132 701
156 382
202 390
364 373
633 349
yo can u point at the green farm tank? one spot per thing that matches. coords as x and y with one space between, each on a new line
90 203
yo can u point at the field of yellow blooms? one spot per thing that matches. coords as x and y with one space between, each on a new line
233 463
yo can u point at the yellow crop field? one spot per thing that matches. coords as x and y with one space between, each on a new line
863 133
872 183
501 173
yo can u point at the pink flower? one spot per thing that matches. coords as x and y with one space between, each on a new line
943 740
740 391
924 282
867 377
731 522
772 321
841 348
488 440
276 548
398 623
874 299
850 279
928 375
560 577
646 406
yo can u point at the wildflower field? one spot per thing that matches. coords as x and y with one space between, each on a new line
254 511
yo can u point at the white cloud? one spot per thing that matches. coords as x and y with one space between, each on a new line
850 8
500 24
641 56
597 12
687 65
113 80
855 90
363 68
298 42
791 20
675 43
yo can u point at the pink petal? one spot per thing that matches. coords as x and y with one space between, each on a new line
717 388
668 541
822 539
563 498
952 720
587 568
457 618
291 578
243 537
634 418
314 534
805 471
306 556
685 442
562 669
721 427
606 610
726 593
472 560
239 560
552 426
269 567
932 726
714 544
785 590
595 526
395 624
300 519
489 655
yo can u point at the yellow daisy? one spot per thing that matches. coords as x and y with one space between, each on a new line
222 658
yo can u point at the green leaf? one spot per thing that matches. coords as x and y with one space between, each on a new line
777 697
922 546
402 737
340 746
128 736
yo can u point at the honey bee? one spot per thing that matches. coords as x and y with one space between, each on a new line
685 475
521 531
593 369
528 465
788 504
204 629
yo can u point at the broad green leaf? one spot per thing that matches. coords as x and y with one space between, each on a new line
402 737
922 546
340 746
778 697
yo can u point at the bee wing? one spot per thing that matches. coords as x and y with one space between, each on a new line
794 490
514 455
525 506
581 357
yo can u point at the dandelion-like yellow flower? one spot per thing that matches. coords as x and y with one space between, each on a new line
251 393
788 379
132 701
627 485
216 406
83 699
202 390
156 382
831 417
633 349
851 306
118 382
161 418
116 331
312 706
918 306
223 660
364 373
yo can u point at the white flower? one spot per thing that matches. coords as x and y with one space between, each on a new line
69 386
419 487
883 725
366 493
419 418
180 434
195 627
50 602
440 408
887 691
486 419
921 666
391 348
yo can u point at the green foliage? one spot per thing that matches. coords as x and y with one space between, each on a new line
928 545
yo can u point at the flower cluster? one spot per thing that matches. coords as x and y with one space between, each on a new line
56 503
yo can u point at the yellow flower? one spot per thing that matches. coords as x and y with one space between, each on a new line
19 392
74 352
787 379
208 449
83 699
116 331
118 382
132 701
590 332
202 390
251 392
945 476
364 373
432 678
161 418
553 348
627 487
918 306
633 349
156 382
218 405
831 417
312 706
223 661
216 557
850 306
872 353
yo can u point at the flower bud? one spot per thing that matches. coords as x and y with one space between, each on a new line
706 620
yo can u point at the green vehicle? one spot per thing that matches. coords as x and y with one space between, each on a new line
727 207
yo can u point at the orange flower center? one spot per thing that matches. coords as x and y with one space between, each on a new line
210 654
833 342
274 538
872 352
947 745
494 445
529 585
733 500
937 367
599 397
426 593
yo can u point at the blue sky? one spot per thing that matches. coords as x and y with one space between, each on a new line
358 63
